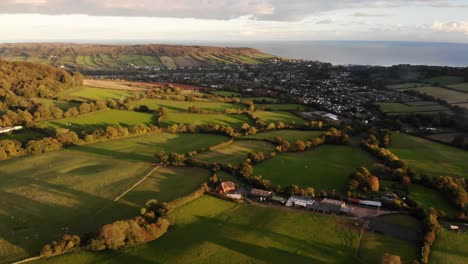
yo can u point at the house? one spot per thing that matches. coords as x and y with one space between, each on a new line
225 187
260 193
302 201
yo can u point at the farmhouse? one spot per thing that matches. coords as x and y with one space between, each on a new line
260 193
225 187
302 201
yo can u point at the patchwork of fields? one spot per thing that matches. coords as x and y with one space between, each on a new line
450 96
209 230
277 116
183 106
412 107
205 119
287 134
433 159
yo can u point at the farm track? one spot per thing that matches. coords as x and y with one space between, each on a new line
136 184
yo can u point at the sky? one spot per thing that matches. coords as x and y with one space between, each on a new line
233 20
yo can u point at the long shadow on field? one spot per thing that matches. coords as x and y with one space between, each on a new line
231 236
113 154
30 222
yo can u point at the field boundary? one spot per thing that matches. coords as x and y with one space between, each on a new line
136 184
360 238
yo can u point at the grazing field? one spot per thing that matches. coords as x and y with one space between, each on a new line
237 152
445 80
263 100
460 87
449 248
23 135
404 85
226 93
283 107
61 192
431 198
178 106
102 119
275 117
90 93
431 158
447 95
205 119
448 137
374 246
412 108
115 85
286 134
325 167
209 230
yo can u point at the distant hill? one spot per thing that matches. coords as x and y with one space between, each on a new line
121 57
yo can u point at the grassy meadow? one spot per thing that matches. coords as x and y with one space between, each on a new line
287 134
449 248
209 230
374 245
61 192
447 95
427 157
412 108
283 107
325 167
463 87
85 93
226 93
205 119
276 116
236 152
431 198
183 106
102 119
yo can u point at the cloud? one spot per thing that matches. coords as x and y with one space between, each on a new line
450 27
368 14
324 21
271 10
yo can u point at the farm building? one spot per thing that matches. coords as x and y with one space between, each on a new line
365 202
260 193
225 187
235 196
303 201
332 206
278 199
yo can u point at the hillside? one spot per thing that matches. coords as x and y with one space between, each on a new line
120 57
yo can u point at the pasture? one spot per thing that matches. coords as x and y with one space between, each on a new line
85 93
102 119
277 116
447 95
404 85
374 246
444 80
63 191
283 107
431 198
236 152
448 137
412 108
287 134
324 168
205 119
226 93
209 230
431 158
463 87
23 135
260 100
183 106
449 248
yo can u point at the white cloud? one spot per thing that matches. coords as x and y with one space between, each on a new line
460 27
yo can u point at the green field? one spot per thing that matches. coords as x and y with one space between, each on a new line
432 198
205 119
262 100
460 87
275 117
209 230
63 190
102 119
449 248
178 106
448 137
237 152
445 80
91 93
23 135
226 93
404 85
286 134
283 107
412 108
431 158
447 95
374 245
326 167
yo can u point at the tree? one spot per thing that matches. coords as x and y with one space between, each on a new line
373 182
161 158
245 170
299 145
